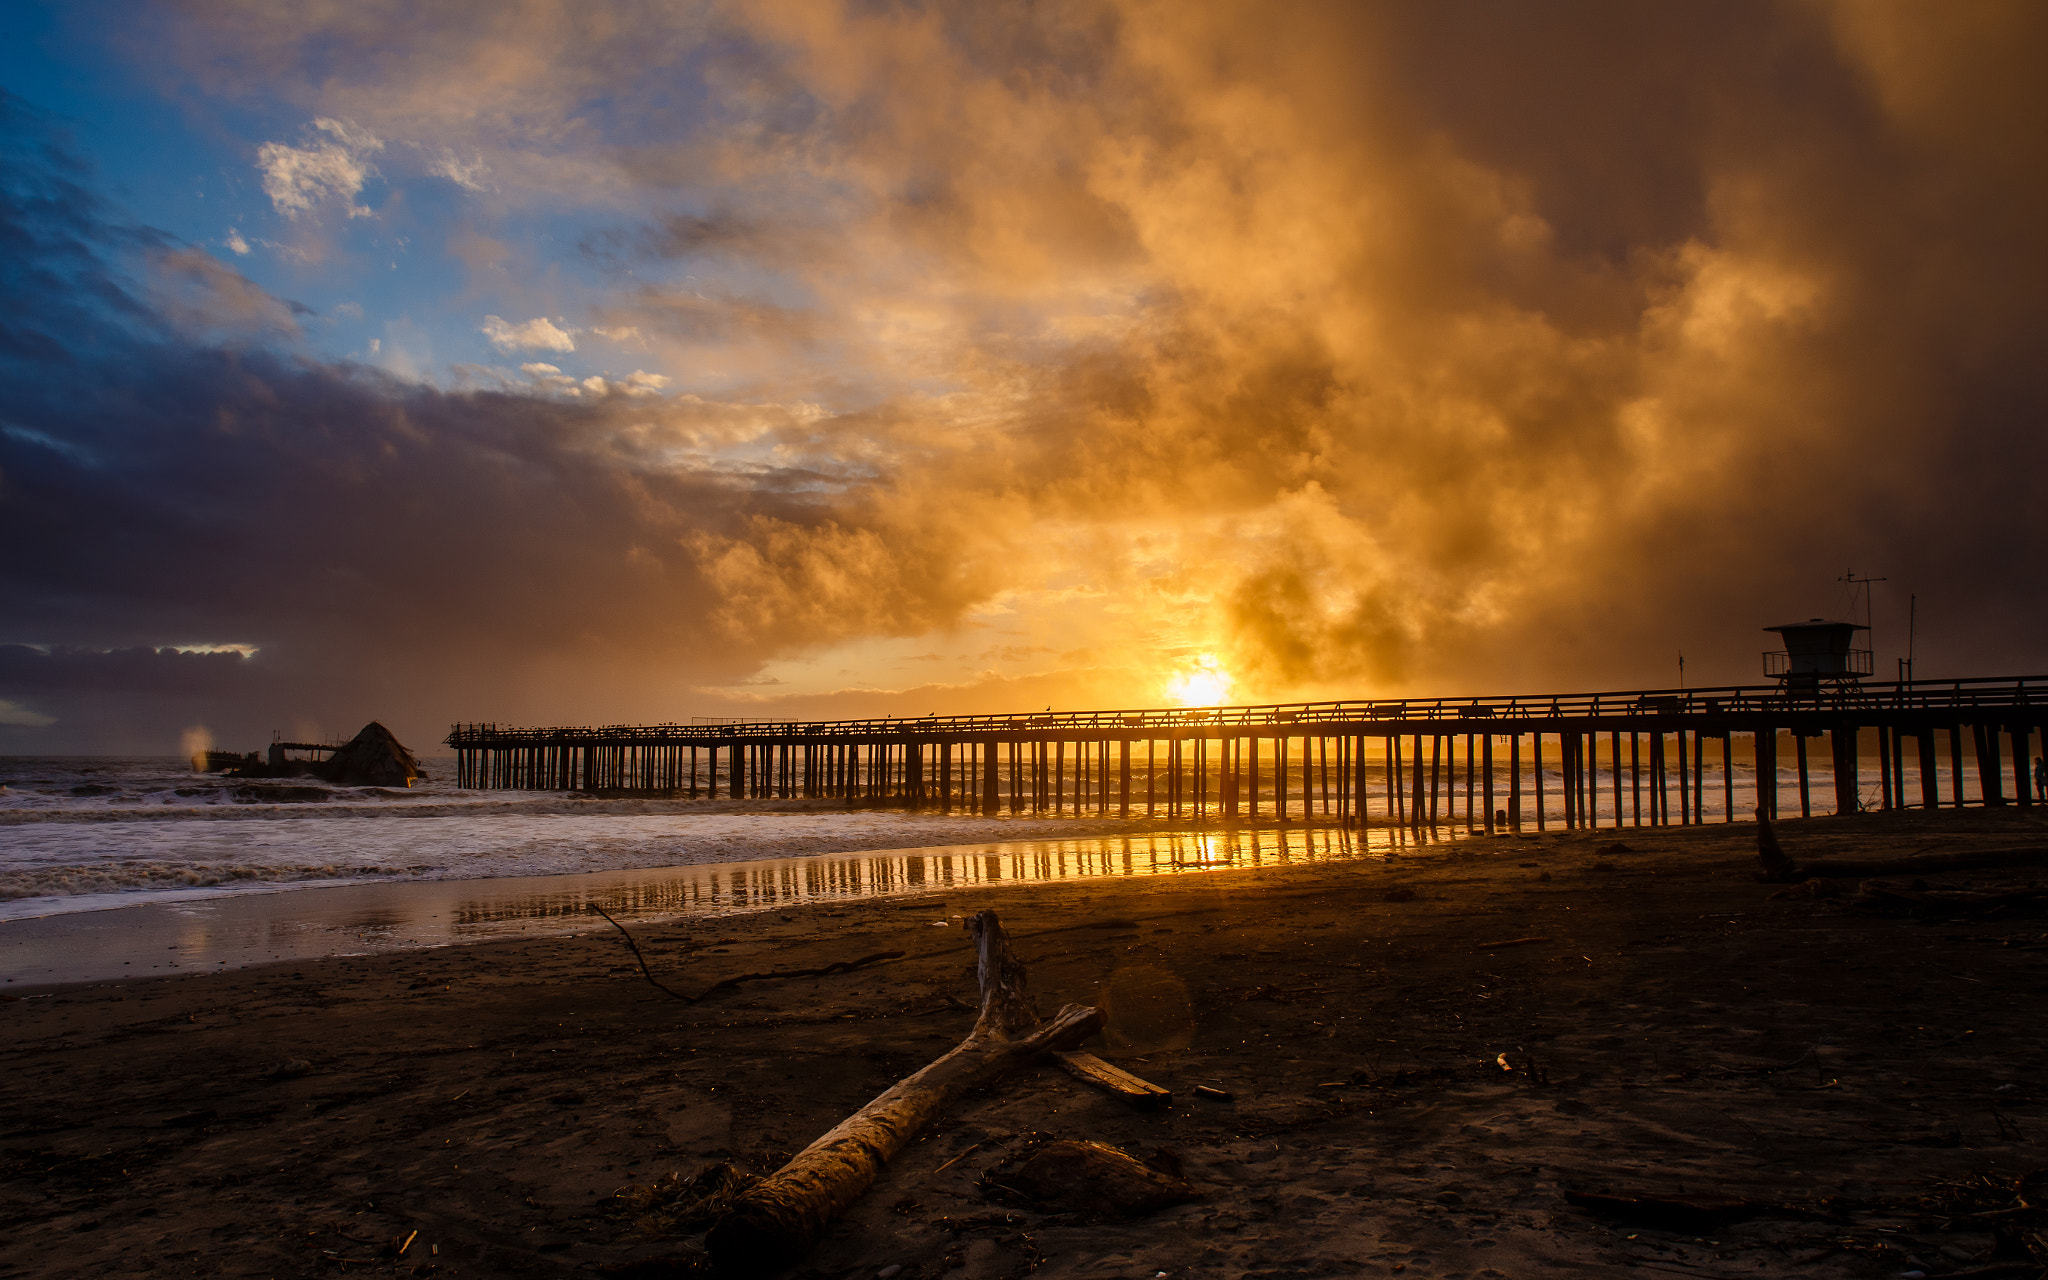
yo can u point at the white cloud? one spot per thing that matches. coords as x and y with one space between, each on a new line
334 163
641 383
465 174
236 245
351 310
538 333
15 714
627 333
637 383
550 378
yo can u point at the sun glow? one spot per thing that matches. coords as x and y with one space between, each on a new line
1204 684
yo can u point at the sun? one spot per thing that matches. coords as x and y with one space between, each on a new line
1204 684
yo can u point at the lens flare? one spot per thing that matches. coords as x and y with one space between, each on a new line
1205 684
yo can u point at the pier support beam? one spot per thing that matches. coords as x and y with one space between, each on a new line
1486 771
1848 795
1805 797
1989 775
1514 782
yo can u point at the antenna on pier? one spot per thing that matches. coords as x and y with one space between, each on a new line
1912 612
1849 577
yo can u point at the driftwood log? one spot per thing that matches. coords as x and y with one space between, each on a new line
1781 869
1926 863
778 1220
1920 899
1776 867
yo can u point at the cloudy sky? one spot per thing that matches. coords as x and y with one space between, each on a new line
617 361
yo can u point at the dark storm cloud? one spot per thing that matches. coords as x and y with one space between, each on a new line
175 473
146 672
1368 347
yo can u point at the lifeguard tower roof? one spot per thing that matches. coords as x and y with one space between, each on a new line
1818 649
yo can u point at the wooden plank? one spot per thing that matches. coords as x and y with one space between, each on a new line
1635 777
1439 778
1471 802
1515 782
1614 750
1280 776
1727 777
1569 746
1699 777
1089 1069
1395 801
1766 751
1252 774
1846 767
1124 779
1660 798
1988 773
1416 802
1486 767
1684 784
2022 775
1799 749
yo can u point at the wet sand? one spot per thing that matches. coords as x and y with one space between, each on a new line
1690 1036
213 929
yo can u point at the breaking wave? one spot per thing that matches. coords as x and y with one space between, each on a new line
121 877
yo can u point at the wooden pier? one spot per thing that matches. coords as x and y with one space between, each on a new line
1668 756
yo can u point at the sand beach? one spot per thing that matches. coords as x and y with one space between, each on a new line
1786 1085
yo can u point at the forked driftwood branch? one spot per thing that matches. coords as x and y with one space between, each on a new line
778 1220
840 966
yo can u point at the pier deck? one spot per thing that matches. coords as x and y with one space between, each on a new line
1481 762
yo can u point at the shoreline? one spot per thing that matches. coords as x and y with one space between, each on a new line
207 930
311 851
1695 1036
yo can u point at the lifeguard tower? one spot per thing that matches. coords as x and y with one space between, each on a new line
1817 652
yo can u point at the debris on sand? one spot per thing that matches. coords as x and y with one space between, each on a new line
1667 1213
1090 1178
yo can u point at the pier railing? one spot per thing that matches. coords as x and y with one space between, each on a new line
1875 698
1340 759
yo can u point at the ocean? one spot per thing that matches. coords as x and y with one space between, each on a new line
117 867
92 833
